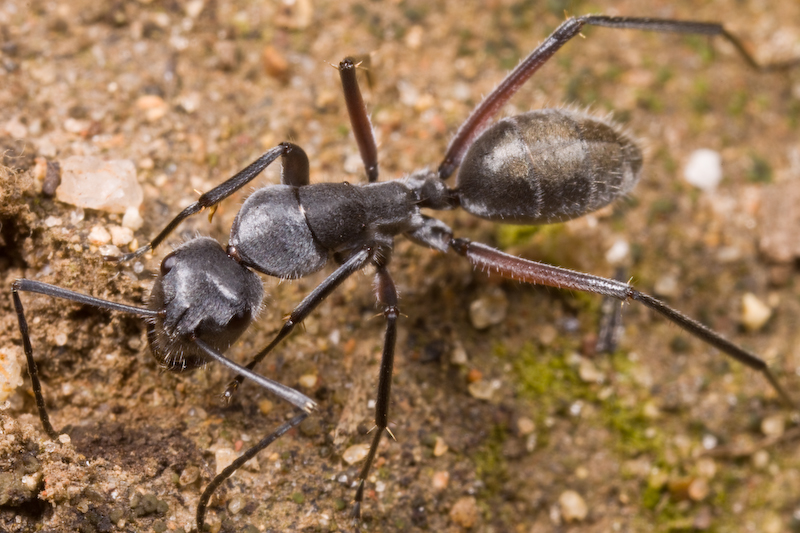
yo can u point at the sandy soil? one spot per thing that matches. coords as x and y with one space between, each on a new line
495 428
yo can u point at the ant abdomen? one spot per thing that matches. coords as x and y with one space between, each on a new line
547 166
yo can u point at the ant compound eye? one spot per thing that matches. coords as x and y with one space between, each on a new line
168 263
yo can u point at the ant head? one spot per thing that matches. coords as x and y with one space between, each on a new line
200 292
271 235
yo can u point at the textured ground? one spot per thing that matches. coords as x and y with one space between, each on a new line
674 437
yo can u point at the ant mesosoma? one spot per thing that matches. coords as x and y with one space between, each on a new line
539 167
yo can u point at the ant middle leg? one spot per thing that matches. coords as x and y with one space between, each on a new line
355 263
229 470
387 297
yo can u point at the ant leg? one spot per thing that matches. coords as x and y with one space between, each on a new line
480 117
387 296
490 259
359 120
610 321
237 464
355 263
280 390
210 199
294 165
26 285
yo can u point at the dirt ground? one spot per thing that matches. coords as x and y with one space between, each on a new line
518 427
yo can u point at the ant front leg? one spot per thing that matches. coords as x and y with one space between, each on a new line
294 159
491 260
387 296
27 285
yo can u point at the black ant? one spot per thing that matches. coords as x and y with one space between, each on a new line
539 167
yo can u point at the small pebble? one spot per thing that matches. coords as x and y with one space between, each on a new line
440 447
99 235
64 438
311 426
760 459
619 252
355 453
189 475
93 183
474 375
76 216
489 310
548 334
440 480
414 37
52 178
110 250
10 371
236 504
32 481
667 285
706 467
61 339
132 219
525 425
573 507
459 355
704 169
755 313
52 222
308 381
275 65
265 406
773 426
651 410
120 236
193 8
465 512
15 128
324 523
698 489
694 488
153 106
190 102
588 372
224 457
483 389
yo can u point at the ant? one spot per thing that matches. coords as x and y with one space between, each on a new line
538 167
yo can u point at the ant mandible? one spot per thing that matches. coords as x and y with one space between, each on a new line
539 167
